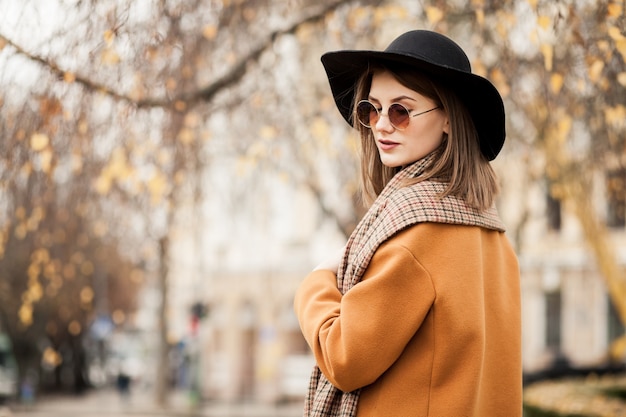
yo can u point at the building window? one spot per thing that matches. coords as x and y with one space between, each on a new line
616 198
616 327
553 212
553 320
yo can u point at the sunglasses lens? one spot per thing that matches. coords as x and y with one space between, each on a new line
398 116
367 114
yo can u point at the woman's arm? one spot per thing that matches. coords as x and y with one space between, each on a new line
357 337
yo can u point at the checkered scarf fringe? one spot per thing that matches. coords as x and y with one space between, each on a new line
397 207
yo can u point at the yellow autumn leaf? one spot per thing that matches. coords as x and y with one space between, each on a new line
382 14
533 4
35 292
109 37
556 83
45 159
244 165
110 56
179 177
180 105
164 157
209 32
320 129
20 231
544 22
100 228
20 213
41 255
103 184
615 116
83 127
74 328
352 142
33 271
185 136
505 21
32 224
479 68
257 150
39 141
192 119
257 100
614 10
51 358
615 33
563 127
268 132
157 186
69 77
358 17
434 14
26 314
86 295
38 213
118 316
249 13
548 53
595 70
118 167
480 17
499 80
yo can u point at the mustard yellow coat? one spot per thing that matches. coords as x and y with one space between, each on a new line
433 329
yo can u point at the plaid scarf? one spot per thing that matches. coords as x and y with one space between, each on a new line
397 207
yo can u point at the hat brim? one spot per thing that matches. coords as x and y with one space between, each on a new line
479 95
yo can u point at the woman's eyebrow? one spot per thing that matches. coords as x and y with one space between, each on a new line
393 100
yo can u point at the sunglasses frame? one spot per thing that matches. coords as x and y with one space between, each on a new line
380 114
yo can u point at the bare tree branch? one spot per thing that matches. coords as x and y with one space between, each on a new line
207 93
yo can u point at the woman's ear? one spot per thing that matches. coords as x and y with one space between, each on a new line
446 126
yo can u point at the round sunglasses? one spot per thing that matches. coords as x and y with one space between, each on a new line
368 114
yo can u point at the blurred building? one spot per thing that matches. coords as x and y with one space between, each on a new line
568 315
242 271
242 260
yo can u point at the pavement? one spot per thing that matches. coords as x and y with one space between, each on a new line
108 403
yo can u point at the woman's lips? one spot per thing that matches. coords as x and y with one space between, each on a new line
386 145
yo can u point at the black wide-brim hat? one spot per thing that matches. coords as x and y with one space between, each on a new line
439 58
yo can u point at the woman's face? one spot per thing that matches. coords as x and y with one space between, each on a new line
423 134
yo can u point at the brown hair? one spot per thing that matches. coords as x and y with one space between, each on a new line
459 162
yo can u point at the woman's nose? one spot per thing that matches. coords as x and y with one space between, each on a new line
383 123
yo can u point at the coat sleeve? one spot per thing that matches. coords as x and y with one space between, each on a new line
357 337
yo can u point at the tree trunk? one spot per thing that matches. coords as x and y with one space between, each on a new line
162 375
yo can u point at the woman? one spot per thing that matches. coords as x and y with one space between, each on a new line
420 313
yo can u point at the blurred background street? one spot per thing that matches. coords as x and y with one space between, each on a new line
170 170
107 403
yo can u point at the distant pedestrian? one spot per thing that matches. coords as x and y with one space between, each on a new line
123 384
419 315
27 388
